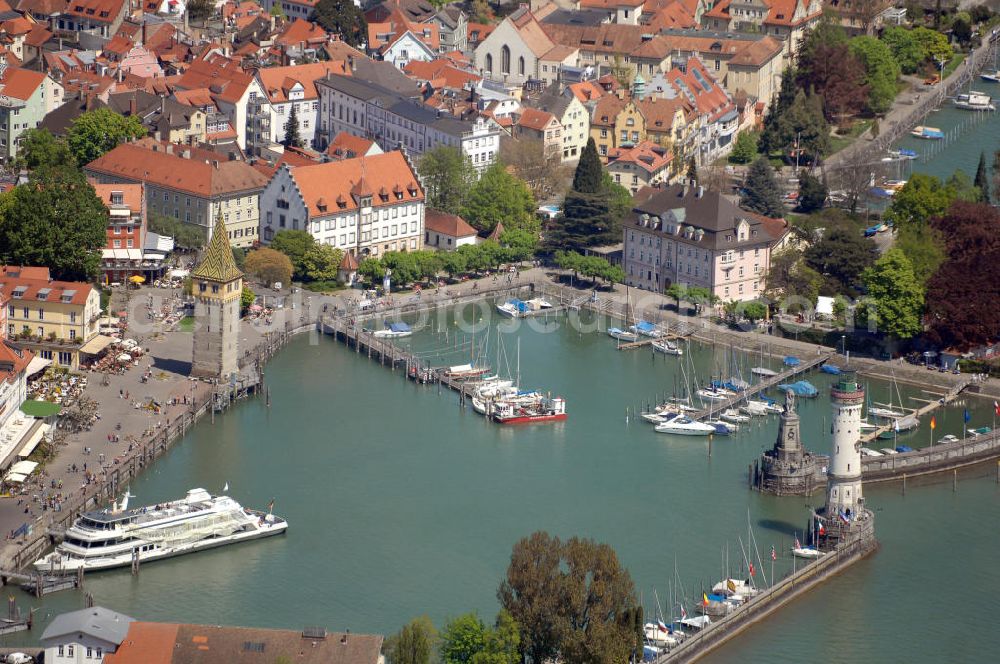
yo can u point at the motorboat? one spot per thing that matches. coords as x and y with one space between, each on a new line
393 331
723 428
802 388
759 407
974 101
113 537
981 431
904 153
991 76
666 347
831 369
868 426
900 425
764 372
656 418
791 361
536 410
868 452
538 304
885 412
735 588
646 329
685 426
659 635
927 133
733 415
622 335
513 308
888 451
944 440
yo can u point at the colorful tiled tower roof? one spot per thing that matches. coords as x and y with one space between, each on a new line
218 264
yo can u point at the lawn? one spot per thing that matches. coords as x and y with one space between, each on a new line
186 324
953 64
838 143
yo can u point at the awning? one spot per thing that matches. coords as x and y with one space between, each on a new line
37 364
122 254
34 437
40 408
96 345
15 478
157 242
23 467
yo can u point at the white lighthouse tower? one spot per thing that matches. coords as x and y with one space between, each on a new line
845 516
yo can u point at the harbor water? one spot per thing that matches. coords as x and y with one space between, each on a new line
402 503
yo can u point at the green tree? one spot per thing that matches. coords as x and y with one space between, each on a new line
921 198
371 270
344 18
277 12
841 257
961 28
881 71
199 10
269 266
38 148
769 138
247 297
802 124
982 181
827 68
502 644
404 266
906 50
762 193
447 175
239 257
518 245
895 297
454 262
414 644
462 638
619 201
789 275
924 246
55 220
429 264
745 149
755 311
294 244
292 138
500 197
186 236
678 292
320 262
933 44
96 132
589 175
963 187
569 600
812 192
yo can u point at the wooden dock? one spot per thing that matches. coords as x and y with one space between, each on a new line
766 384
682 331
929 406
40 584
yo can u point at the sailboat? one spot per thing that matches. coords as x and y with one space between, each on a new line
991 76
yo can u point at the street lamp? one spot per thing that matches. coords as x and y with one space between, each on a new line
843 344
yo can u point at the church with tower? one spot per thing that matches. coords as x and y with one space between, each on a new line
217 285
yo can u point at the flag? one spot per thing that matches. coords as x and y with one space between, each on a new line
684 614
996 408
822 528
895 426
966 415
731 585
661 626
270 506
774 554
225 488
933 423
704 599
843 517
751 569
797 544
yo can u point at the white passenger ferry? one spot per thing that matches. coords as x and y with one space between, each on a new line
110 538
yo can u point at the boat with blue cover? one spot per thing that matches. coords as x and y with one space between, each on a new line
802 388
393 331
646 329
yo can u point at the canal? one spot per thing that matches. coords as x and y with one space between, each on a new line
401 503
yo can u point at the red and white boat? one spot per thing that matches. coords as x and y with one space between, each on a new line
465 372
530 412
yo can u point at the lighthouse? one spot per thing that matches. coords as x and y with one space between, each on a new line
845 516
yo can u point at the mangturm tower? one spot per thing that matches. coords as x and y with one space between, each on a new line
789 469
216 285
845 516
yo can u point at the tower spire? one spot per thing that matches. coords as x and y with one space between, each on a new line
218 264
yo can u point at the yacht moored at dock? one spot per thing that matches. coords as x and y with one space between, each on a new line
110 538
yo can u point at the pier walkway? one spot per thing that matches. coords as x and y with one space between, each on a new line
766 384
929 407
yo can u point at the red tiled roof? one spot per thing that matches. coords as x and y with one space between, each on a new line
339 180
147 161
222 76
646 155
105 11
132 194
20 83
278 81
18 359
348 146
17 26
12 277
299 31
451 76
447 224
533 118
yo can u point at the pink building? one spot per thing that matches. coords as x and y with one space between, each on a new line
684 234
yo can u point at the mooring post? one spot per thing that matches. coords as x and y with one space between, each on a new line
954 480
904 484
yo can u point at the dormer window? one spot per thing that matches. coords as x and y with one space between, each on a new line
19 292
117 198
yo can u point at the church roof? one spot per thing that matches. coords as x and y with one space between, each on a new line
218 263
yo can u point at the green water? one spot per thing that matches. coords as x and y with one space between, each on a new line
401 503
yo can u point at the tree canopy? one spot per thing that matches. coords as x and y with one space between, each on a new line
186 236
588 177
344 18
841 256
467 640
592 267
500 197
269 266
591 215
982 180
881 72
921 198
827 67
96 132
321 262
38 148
906 49
894 296
570 599
745 149
292 138
447 175
55 220
812 193
415 643
294 244
761 191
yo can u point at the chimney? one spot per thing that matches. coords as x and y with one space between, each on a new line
186 154
132 106
143 42
170 148
156 137
693 182
701 191
215 164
